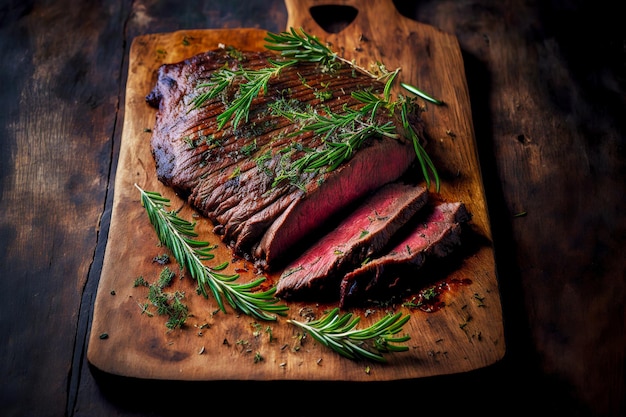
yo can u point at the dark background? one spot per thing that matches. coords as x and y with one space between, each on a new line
547 81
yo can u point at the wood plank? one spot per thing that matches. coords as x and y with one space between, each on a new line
56 127
139 346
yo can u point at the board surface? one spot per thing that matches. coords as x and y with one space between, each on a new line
464 335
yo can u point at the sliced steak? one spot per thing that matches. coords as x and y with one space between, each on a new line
366 230
434 236
363 174
230 174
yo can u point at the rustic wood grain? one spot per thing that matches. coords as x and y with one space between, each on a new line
547 83
558 137
57 122
138 346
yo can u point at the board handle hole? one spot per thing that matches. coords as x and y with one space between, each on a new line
333 18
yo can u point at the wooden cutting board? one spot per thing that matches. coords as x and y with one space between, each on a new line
464 335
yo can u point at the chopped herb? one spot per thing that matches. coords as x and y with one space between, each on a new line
323 95
479 299
429 294
140 282
249 149
235 173
168 304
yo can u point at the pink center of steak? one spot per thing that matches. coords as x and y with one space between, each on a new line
361 234
434 236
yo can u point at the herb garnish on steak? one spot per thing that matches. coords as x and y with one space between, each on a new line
268 147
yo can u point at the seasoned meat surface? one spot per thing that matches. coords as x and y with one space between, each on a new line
241 177
364 232
436 234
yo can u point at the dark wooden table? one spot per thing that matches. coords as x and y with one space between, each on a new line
547 82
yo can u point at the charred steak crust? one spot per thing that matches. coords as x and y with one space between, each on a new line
228 174
435 236
366 230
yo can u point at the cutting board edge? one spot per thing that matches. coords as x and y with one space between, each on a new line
181 33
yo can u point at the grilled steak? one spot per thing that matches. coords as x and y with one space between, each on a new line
232 175
434 236
366 230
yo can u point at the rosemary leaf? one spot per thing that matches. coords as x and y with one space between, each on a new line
425 162
421 94
217 83
179 236
256 81
339 333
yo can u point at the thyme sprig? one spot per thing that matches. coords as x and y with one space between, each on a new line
179 236
339 333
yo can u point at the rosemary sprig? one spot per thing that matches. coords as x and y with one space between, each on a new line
425 162
217 83
300 46
343 134
339 333
179 236
254 81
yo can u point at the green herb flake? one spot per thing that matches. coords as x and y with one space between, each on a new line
140 282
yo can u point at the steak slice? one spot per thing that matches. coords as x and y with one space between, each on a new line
364 232
363 174
230 174
434 236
